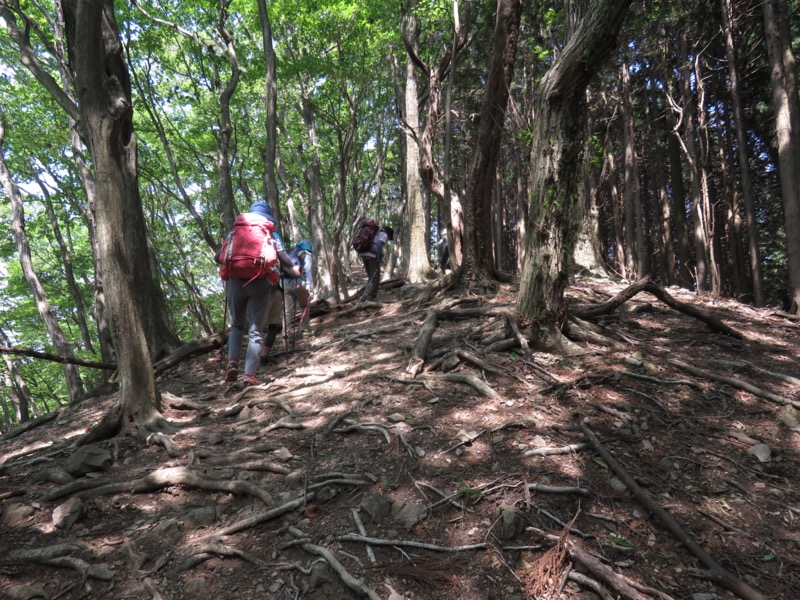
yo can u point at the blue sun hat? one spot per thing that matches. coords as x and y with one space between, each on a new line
262 208
305 245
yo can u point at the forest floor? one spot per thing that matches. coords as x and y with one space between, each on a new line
663 465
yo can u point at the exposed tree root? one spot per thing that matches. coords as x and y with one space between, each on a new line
164 478
736 383
57 555
553 451
470 380
353 583
723 577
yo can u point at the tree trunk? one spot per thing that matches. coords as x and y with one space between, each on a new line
787 129
636 246
106 111
328 261
479 255
224 181
556 157
271 108
679 223
416 234
745 176
690 150
71 375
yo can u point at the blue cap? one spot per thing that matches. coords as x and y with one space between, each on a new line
263 209
305 245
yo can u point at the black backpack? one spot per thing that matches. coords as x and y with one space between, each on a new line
362 242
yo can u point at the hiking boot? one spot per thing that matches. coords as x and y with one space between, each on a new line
250 380
232 374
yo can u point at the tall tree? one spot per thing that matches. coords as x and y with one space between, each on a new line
416 236
558 143
73 378
479 254
104 96
787 130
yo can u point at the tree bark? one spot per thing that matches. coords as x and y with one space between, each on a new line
57 337
103 89
479 255
555 158
418 264
270 105
745 177
787 129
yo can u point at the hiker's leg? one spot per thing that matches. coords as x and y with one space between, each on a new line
303 298
274 319
237 303
257 305
375 278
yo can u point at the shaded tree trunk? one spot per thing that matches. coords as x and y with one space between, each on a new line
479 256
787 129
103 89
745 177
556 157
271 108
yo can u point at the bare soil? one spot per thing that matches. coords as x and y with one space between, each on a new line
512 478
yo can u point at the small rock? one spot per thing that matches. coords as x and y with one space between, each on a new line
283 454
762 452
70 512
408 515
396 418
16 514
618 486
195 587
87 459
376 506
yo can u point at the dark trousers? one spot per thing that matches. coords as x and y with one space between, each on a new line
373 269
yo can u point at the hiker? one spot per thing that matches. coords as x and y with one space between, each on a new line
298 290
301 290
372 258
250 282
444 251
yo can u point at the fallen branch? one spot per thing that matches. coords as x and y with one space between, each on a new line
352 537
548 451
68 360
726 579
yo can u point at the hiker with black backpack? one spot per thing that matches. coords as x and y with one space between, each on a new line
249 257
295 293
369 242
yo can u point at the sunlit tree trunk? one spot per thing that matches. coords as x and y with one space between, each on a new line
59 340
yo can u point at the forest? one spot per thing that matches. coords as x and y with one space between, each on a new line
553 145
426 116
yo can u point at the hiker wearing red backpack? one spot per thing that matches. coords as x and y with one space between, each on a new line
249 257
370 249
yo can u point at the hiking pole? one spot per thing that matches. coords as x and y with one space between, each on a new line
294 311
223 354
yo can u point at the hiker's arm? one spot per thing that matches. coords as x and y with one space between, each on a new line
379 250
288 266
308 271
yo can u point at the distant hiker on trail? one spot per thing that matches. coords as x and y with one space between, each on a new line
444 251
293 296
249 257
370 248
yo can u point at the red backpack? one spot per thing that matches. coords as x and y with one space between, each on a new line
362 242
249 250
